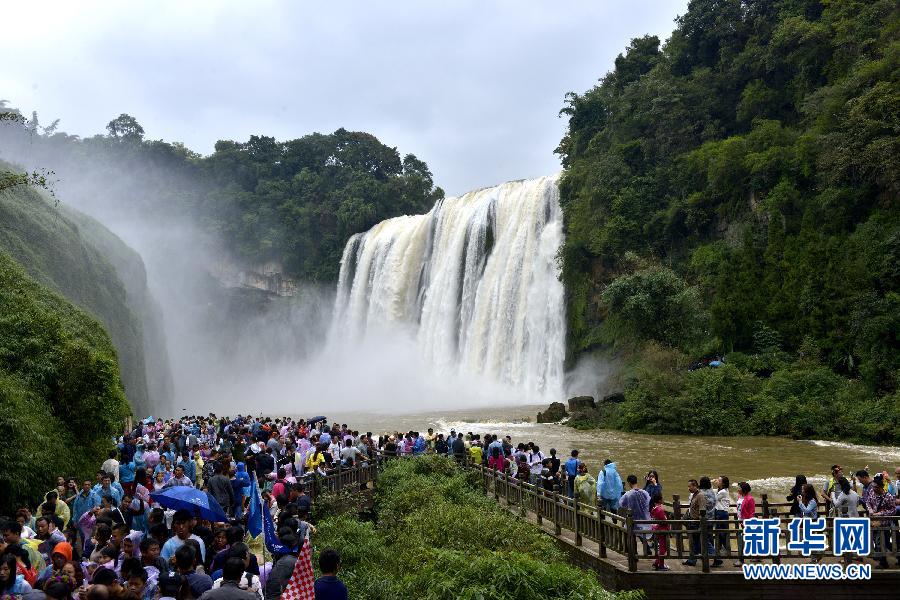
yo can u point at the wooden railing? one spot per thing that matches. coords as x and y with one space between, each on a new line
619 532
622 534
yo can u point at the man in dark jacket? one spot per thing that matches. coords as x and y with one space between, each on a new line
220 488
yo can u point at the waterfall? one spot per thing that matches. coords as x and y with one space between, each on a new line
475 281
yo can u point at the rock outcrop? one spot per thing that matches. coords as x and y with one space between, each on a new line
555 413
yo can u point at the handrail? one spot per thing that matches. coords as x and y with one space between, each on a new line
618 533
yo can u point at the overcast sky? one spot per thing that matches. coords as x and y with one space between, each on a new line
471 87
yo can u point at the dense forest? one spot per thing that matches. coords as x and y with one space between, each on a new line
294 202
733 193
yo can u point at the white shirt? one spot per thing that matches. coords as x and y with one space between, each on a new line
723 500
111 466
254 584
536 461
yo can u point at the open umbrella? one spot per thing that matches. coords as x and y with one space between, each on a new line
149 419
314 420
197 502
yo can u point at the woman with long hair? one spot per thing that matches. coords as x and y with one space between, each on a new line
11 582
794 496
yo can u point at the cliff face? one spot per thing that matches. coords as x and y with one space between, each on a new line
75 256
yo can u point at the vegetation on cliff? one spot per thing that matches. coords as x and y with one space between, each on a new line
437 537
733 193
60 392
59 249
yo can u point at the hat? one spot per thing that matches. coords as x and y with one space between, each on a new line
64 549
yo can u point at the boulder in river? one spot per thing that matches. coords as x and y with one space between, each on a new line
556 412
579 403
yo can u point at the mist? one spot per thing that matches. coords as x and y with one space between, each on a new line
233 348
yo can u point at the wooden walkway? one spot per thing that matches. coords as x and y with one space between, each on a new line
602 541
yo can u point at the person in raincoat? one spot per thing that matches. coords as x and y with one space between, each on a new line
585 486
609 486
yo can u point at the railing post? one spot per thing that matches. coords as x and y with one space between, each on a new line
704 546
496 490
739 535
538 511
765 505
340 483
484 480
557 528
575 520
506 490
679 537
601 534
630 541
777 558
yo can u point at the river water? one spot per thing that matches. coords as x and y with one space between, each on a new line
769 464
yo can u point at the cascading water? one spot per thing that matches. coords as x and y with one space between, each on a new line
475 280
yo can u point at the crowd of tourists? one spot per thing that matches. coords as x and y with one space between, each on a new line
110 538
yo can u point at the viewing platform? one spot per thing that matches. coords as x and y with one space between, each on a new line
603 542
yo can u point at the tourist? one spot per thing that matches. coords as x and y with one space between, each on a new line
652 484
794 496
459 448
571 470
880 505
536 465
246 580
282 566
11 583
862 476
138 583
609 486
475 452
585 486
706 489
836 473
229 587
328 586
111 465
746 509
179 479
219 487
181 528
59 556
658 513
809 509
496 460
186 564
637 501
845 500
720 512
700 502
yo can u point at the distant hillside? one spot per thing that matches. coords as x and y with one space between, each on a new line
77 257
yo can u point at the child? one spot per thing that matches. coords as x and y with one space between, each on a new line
658 513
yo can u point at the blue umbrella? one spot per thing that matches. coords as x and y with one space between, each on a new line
197 502
315 420
148 419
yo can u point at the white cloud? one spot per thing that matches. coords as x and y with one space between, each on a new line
471 87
